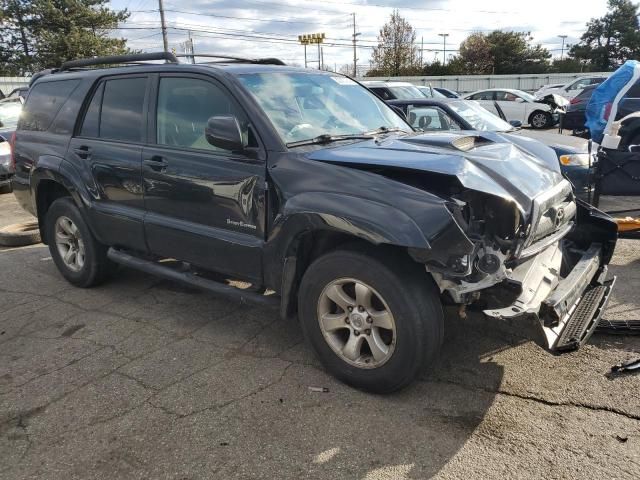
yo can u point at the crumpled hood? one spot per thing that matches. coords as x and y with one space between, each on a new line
495 166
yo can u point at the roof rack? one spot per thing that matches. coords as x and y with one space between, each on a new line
118 59
228 59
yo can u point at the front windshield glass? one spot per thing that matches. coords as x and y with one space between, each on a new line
430 92
479 118
303 105
405 92
527 96
9 113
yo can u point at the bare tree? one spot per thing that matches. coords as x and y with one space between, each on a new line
397 52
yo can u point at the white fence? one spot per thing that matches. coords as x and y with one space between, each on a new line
9 83
459 83
471 83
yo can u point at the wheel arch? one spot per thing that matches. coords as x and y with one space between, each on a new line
48 183
303 234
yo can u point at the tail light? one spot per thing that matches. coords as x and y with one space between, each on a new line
12 143
607 110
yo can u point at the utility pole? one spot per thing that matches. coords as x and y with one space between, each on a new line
421 51
355 55
305 55
165 42
563 37
444 47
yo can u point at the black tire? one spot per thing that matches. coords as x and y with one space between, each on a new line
412 299
97 266
6 188
20 234
535 119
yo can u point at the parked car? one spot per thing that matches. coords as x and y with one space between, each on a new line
571 89
517 106
429 92
447 93
457 114
575 119
394 90
10 109
309 187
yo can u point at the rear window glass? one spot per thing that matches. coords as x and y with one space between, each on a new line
44 102
122 109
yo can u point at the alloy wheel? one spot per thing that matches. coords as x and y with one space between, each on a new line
357 323
69 243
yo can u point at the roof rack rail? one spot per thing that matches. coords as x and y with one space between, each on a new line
226 58
118 59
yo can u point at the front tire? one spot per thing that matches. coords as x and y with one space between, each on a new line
80 258
540 119
373 322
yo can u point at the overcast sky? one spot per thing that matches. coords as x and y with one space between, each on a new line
268 28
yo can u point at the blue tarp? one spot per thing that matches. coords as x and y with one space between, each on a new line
604 95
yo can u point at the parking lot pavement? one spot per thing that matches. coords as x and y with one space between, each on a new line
143 378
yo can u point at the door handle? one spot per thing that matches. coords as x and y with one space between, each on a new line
156 162
82 151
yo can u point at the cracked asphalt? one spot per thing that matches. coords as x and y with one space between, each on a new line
146 379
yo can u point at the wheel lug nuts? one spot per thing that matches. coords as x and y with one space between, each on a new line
367 331
346 320
350 308
369 320
356 333
360 308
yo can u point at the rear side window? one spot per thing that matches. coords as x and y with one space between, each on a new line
122 109
116 110
44 102
482 96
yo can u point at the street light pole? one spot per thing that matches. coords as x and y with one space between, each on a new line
563 37
444 47
355 58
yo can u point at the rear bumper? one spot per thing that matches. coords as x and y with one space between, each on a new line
566 310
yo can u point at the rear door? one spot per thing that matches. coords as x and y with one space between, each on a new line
205 205
108 148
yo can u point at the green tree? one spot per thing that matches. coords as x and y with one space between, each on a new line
474 55
38 34
396 52
612 39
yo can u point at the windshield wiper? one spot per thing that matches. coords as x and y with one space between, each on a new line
326 138
384 129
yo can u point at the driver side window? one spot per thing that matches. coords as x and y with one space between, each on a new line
429 119
184 107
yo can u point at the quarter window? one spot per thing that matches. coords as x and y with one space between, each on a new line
44 102
184 107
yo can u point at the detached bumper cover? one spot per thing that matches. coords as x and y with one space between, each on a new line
567 310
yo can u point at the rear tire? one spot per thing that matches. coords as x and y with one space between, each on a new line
80 258
540 119
399 329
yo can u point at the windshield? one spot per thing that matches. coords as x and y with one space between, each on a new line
406 92
430 92
9 113
527 96
303 105
479 118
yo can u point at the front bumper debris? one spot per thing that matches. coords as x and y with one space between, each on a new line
567 309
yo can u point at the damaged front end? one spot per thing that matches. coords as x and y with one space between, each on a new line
548 264
557 102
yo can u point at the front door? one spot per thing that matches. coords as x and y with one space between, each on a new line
205 205
108 150
513 106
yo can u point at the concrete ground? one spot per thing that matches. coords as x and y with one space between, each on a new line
143 378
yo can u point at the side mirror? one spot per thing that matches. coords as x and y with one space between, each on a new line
515 123
223 131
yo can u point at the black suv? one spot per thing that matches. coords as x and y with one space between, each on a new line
310 188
